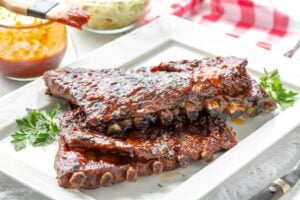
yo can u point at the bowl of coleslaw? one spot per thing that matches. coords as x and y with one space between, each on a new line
112 16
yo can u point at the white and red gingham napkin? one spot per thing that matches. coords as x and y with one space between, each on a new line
256 22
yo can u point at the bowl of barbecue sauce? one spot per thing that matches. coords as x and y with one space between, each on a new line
29 46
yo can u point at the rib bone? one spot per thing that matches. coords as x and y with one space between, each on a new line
235 109
141 123
166 117
78 179
157 167
183 161
213 108
131 174
106 179
126 124
192 111
114 129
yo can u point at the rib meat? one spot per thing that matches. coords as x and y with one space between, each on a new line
89 160
90 169
116 100
190 142
129 123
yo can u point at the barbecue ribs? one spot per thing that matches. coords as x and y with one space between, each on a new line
87 159
185 144
129 123
115 100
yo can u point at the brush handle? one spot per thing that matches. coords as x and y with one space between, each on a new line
34 8
16 6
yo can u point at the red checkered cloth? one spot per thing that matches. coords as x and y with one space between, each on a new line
255 22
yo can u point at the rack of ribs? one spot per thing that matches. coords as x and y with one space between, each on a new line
87 159
162 142
127 123
116 100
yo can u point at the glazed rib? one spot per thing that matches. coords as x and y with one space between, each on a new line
204 136
116 100
89 170
128 123
88 166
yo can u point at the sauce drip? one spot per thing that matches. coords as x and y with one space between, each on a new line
74 17
238 121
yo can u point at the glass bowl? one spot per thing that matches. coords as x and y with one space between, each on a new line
29 46
112 16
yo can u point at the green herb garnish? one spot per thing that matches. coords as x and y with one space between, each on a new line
272 84
38 128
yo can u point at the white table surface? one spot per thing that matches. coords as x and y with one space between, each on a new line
80 43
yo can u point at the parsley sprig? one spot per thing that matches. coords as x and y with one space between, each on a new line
272 84
38 128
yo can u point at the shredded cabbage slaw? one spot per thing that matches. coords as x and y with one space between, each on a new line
112 14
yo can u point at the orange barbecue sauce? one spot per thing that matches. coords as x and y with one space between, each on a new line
237 121
29 46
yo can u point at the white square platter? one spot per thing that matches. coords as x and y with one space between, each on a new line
167 38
